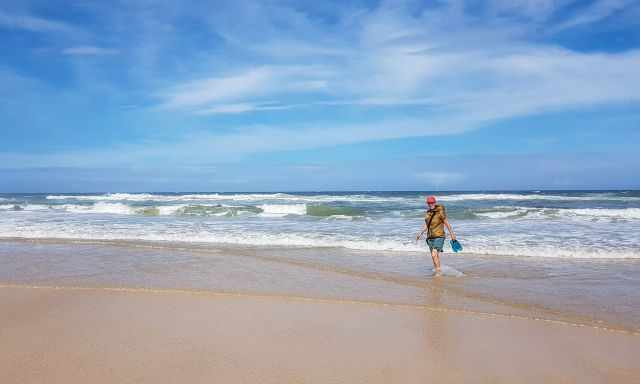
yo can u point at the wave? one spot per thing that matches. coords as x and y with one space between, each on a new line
280 210
147 197
533 196
336 212
623 213
162 198
100 207
23 207
283 239
267 210
134 197
590 213
11 207
502 213
328 211
410 199
216 210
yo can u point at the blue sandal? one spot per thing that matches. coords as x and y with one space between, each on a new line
456 246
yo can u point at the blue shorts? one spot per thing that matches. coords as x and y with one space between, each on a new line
436 243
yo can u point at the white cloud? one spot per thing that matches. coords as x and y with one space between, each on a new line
203 91
34 24
222 109
234 146
597 11
468 70
392 56
437 178
249 84
89 50
289 48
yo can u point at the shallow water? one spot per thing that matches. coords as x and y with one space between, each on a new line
600 292
560 254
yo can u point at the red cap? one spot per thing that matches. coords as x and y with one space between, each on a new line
431 200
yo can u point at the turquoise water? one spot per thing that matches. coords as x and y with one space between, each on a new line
563 224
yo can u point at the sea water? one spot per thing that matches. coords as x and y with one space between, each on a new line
565 224
563 254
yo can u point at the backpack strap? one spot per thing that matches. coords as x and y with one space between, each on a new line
429 222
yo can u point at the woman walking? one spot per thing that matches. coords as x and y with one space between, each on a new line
434 222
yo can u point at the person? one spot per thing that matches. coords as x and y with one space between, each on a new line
434 222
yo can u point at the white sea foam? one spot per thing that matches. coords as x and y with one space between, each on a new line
341 217
506 212
354 198
23 207
255 197
445 270
503 214
533 196
492 227
99 207
170 209
299 240
625 213
280 210
165 198
107 197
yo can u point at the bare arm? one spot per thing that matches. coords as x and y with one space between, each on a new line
446 224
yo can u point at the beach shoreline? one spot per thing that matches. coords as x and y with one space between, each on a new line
101 312
587 292
70 335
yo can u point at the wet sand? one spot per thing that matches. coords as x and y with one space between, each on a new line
97 335
574 291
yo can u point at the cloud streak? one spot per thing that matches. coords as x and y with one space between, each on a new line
248 84
393 58
280 78
89 50
597 11
33 23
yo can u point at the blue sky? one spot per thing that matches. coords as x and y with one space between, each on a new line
308 95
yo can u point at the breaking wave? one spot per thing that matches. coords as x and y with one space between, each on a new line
585 213
534 196
558 224
267 210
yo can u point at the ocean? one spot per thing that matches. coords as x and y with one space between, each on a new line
559 224
569 256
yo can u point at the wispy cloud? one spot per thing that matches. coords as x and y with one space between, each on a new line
245 140
263 81
33 23
439 178
89 50
597 11
197 93
429 69
242 108
392 56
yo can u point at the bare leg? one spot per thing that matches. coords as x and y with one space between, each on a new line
435 255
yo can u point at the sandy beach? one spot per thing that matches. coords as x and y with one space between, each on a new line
102 335
324 192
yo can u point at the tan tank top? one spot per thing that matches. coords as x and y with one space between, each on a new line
434 219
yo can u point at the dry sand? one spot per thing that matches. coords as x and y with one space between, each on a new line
75 335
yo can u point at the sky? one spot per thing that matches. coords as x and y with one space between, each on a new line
133 95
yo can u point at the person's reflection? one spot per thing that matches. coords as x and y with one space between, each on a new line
436 319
